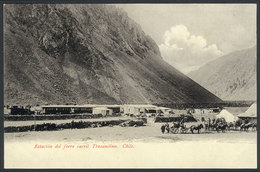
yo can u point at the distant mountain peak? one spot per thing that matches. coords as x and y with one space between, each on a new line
231 77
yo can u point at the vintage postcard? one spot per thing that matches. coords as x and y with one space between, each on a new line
130 85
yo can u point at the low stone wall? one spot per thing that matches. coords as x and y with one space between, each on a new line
174 119
49 117
71 125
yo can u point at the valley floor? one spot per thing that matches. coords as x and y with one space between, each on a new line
130 147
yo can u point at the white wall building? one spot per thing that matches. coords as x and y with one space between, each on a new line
102 110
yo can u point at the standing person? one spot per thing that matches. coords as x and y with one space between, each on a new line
167 127
182 123
175 126
163 128
206 124
209 123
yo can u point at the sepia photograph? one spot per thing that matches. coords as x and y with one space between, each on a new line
137 85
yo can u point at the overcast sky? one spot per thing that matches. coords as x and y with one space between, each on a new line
190 35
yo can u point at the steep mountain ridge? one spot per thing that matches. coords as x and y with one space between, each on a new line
82 54
231 77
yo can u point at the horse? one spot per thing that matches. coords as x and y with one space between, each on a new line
238 124
194 127
245 127
175 127
213 126
230 125
183 129
254 126
221 126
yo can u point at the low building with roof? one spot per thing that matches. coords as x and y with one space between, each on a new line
102 110
139 109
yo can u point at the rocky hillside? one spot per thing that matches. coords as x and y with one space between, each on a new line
231 77
82 54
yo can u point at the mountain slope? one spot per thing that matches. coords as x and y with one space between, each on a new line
86 54
231 77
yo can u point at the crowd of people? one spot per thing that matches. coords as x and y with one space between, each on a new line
218 125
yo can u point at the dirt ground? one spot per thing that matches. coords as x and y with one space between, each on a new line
147 148
149 133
